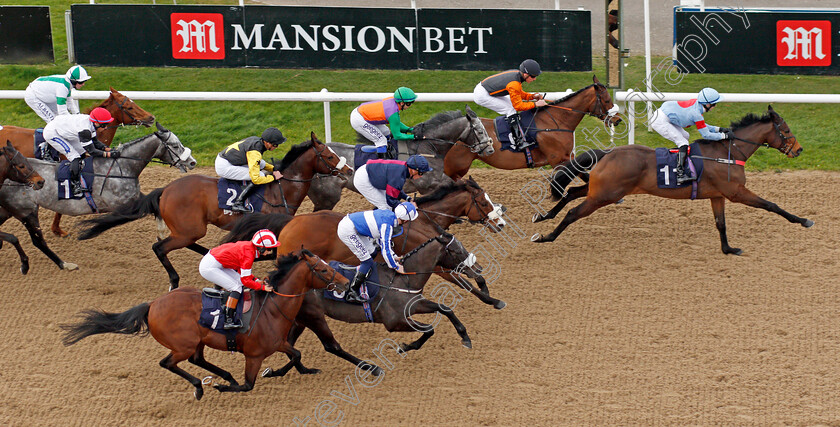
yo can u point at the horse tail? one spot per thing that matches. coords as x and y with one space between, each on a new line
567 171
245 227
134 321
145 205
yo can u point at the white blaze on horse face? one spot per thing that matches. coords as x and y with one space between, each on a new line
470 261
612 111
496 214
341 163
186 154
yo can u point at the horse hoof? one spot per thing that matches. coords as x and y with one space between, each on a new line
310 371
69 266
537 238
267 373
733 251
808 223
467 343
198 393
619 202
537 218
24 268
499 305
404 347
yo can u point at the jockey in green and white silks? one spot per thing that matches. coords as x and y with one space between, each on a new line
50 96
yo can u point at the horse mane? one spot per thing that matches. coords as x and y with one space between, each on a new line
245 227
293 154
437 120
569 96
751 119
132 142
445 190
285 264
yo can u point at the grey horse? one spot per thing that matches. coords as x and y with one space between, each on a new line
116 183
439 133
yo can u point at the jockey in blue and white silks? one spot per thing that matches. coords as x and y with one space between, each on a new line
671 119
359 231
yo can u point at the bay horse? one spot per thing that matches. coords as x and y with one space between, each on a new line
632 170
14 167
556 123
116 184
185 206
440 133
172 320
125 113
317 231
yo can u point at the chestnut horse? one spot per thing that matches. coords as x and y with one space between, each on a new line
555 124
13 166
188 204
125 113
632 170
172 319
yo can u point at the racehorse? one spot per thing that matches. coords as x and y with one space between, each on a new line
632 170
116 184
440 133
399 298
125 113
555 125
317 231
13 166
172 319
188 204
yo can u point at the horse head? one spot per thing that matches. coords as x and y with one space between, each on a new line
602 105
327 276
784 140
171 151
328 161
456 257
487 212
18 169
482 143
125 111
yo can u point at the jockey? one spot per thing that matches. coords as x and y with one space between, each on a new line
673 116
503 94
50 96
242 161
377 120
229 266
360 230
73 135
381 181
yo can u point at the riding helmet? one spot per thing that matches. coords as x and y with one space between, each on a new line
418 163
406 211
265 239
708 96
404 94
77 74
273 136
530 67
100 115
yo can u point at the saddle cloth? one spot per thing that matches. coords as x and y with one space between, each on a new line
229 190
364 152
666 164
349 271
62 176
212 309
526 120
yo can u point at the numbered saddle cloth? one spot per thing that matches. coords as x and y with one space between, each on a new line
666 166
349 271
62 176
229 190
526 120
213 309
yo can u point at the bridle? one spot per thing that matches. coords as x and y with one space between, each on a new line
599 111
331 285
125 112
489 216
12 164
785 148
333 170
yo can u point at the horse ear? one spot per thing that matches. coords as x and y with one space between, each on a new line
470 112
313 137
112 89
770 108
8 143
595 80
160 127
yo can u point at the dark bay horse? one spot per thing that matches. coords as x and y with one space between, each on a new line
15 167
188 204
632 170
125 113
399 297
556 124
441 132
116 183
172 320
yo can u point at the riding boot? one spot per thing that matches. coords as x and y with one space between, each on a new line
76 178
517 139
230 312
355 288
381 155
238 205
681 158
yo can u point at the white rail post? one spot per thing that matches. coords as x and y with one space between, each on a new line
631 119
648 84
68 28
327 124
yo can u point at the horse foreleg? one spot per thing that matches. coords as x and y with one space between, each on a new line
24 260
56 226
162 248
718 205
170 363
580 211
749 198
33 226
252 369
482 296
198 359
201 250
425 306
572 194
294 334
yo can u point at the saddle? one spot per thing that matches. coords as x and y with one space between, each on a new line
526 119
666 164
349 271
230 189
212 313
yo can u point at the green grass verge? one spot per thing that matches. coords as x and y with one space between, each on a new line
206 127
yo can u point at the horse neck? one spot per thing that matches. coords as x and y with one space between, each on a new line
143 149
444 135
296 281
580 102
5 165
423 262
755 133
452 204
106 136
303 167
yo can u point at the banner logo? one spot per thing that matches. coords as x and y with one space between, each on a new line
803 43
197 35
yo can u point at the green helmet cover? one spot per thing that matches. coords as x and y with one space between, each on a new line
404 94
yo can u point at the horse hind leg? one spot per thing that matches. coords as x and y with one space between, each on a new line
580 211
170 363
56 226
24 260
33 226
572 194
163 248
